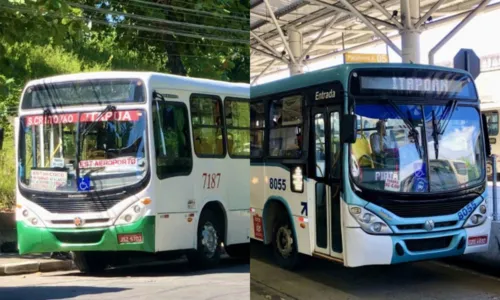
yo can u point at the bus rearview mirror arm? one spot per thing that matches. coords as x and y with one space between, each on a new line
486 135
348 129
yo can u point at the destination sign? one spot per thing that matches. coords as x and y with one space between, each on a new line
415 82
412 84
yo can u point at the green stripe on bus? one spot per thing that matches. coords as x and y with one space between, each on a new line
40 240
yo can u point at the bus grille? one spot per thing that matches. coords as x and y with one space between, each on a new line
84 237
66 206
423 209
418 245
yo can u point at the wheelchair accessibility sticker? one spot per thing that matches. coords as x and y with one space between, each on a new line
84 184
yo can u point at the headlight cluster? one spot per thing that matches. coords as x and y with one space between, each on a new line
134 212
368 221
29 217
477 217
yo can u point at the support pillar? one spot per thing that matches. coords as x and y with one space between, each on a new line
410 35
295 42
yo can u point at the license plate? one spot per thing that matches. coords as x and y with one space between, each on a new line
477 240
130 238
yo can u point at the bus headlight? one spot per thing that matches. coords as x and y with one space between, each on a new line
368 221
134 212
29 217
478 216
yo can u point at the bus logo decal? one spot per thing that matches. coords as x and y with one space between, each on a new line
78 222
429 225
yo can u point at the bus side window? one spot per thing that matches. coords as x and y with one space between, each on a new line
238 126
206 118
492 119
172 142
286 124
257 124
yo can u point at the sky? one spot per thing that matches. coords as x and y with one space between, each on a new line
474 36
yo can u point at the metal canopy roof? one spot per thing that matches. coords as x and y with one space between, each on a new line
336 24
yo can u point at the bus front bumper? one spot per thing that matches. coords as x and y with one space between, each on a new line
40 240
365 249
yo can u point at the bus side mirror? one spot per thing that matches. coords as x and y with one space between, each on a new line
1 138
486 135
348 129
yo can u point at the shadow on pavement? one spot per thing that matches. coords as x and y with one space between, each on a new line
170 268
373 279
52 292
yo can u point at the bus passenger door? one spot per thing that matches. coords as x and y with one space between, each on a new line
325 140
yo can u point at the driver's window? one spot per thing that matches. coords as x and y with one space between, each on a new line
319 129
172 143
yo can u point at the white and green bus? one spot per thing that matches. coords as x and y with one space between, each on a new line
116 164
369 164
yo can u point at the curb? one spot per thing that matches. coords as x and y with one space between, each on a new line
34 267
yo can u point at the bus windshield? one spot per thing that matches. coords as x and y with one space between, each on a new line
417 148
112 151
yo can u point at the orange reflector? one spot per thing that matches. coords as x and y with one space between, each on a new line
19 206
146 201
190 219
302 225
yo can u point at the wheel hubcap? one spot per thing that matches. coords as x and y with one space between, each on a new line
209 239
284 241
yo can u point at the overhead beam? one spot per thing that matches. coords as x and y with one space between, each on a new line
263 71
429 13
269 54
330 24
264 43
455 30
265 18
363 18
350 12
386 13
323 14
428 26
270 10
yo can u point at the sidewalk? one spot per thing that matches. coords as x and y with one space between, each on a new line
14 264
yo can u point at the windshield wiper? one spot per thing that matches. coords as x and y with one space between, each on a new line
409 123
437 130
85 132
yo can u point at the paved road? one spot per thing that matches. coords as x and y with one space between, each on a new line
320 279
172 280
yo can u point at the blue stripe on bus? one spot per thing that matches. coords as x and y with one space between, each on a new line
408 256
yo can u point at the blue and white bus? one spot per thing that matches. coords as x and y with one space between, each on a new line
369 164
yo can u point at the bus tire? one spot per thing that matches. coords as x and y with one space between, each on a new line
90 262
241 251
283 243
209 239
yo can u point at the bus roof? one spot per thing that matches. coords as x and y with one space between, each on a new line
490 105
154 78
339 72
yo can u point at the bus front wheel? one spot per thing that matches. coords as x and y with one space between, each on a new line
284 244
90 262
209 237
